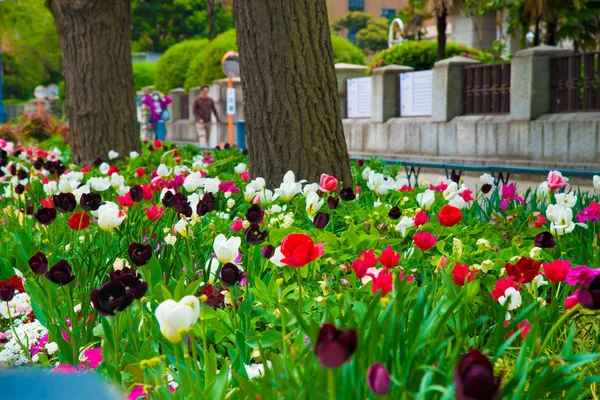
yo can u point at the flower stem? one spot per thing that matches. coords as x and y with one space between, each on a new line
331 383
299 293
25 350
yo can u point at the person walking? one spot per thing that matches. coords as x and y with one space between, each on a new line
203 108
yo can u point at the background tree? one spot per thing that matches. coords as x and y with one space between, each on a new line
290 91
414 16
441 9
353 21
374 37
94 37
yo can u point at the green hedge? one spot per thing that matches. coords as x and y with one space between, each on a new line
143 74
173 65
346 52
422 55
194 73
213 54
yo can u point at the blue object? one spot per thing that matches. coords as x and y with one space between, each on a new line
37 384
3 116
240 127
165 115
161 130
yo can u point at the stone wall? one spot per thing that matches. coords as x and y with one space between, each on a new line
551 141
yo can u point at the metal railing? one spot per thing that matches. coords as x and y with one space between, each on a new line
487 89
575 82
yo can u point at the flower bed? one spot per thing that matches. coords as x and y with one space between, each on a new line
176 274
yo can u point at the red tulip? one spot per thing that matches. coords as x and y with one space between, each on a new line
237 225
158 143
557 270
146 192
140 171
154 213
449 216
424 241
126 200
363 262
384 281
421 218
112 170
389 258
525 270
460 274
327 183
79 221
299 249
525 325
501 287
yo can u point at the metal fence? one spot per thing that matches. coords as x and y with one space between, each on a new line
575 83
14 111
487 89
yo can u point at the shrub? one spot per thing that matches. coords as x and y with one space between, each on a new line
346 52
422 55
194 73
213 54
37 128
143 74
173 65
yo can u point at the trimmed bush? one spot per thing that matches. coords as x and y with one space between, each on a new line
143 74
172 67
212 70
194 74
422 55
346 52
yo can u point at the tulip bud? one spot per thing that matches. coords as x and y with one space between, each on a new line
90 201
589 294
45 216
333 202
230 274
395 213
486 188
321 220
378 379
139 254
545 240
255 214
474 377
64 202
38 263
136 193
60 273
7 292
334 347
347 194
268 251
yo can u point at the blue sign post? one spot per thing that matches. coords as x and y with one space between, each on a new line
3 116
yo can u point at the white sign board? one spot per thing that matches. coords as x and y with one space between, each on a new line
52 92
230 101
40 92
415 93
358 95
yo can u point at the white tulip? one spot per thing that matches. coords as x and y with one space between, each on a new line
485 266
483 244
226 249
258 184
451 191
163 171
181 227
249 194
426 199
170 239
542 191
108 216
192 181
365 173
596 182
486 179
240 168
104 167
310 188
404 224
133 154
379 184
513 297
177 318
313 204
50 188
112 155
458 202
267 196
211 185
99 184
535 252
277 257
79 191
568 200
287 191
400 182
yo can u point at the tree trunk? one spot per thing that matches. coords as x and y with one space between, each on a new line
551 27
211 19
441 31
537 33
291 100
94 37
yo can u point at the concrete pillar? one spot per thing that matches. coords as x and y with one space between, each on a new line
343 72
175 106
530 82
447 88
385 95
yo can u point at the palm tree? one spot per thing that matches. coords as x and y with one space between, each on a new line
441 9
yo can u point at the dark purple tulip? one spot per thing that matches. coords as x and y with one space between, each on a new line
7 292
474 378
139 253
545 240
45 216
230 274
64 202
38 164
589 294
347 194
321 220
334 347
182 205
90 201
137 193
378 379
486 188
254 235
360 162
454 177
395 213
255 214
333 202
206 205
38 263
60 273
131 280
97 162
22 174
268 251
168 199
245 152
112 296
19 189
13 170
29 209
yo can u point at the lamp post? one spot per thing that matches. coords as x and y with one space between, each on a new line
3 116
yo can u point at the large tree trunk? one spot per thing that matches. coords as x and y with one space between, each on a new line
551 28
291 100
441 31
94 37
211 19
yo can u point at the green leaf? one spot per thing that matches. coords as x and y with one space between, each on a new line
266 339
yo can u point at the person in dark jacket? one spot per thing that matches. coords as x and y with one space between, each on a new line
204 107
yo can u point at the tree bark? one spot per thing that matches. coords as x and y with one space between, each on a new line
441 31
95 41
537 33
291 100
211 19
551 27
